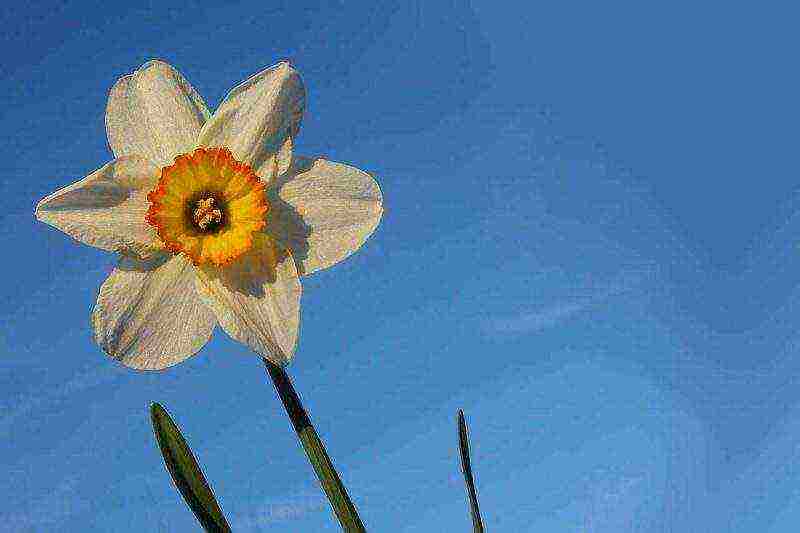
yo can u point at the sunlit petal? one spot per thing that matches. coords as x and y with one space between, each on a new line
148 314
258 116
107 208
154 112
323 211
257 299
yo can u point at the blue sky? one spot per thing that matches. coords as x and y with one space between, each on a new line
589 245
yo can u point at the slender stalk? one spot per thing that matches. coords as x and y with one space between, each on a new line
315 450
466 467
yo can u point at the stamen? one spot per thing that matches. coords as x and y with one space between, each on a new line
206 214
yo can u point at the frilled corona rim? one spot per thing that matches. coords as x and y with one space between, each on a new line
207 205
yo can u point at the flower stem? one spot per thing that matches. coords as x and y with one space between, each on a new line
315 450
466 467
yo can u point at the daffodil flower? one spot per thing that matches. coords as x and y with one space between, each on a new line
213 216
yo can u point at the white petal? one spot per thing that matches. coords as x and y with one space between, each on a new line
283 159
148 314
257 116
257 299
107 208
323 211
154 112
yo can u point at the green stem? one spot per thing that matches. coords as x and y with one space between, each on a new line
315 450
466 467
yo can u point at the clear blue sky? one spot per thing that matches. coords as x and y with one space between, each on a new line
589 245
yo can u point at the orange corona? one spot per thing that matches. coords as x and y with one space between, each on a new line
207 205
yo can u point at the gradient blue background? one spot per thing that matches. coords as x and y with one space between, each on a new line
589 245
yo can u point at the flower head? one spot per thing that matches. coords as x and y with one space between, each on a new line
213 216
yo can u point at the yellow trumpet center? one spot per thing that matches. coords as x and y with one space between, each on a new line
208 206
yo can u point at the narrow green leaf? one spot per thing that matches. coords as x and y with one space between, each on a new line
466 468
315 451
186 473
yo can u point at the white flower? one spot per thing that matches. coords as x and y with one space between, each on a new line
213 216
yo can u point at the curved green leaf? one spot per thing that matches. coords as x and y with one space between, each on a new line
186 473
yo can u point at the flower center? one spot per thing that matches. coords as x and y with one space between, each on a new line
207 216
208 206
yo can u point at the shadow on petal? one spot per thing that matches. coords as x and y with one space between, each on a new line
99 194
256 268
285 224
131 263
271 146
